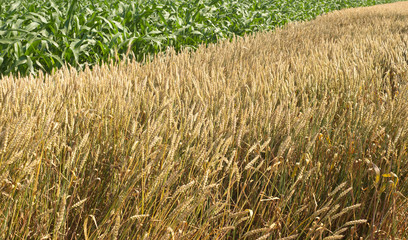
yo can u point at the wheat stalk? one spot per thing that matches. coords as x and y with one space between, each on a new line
60 216
334 237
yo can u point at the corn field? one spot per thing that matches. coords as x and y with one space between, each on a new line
44 35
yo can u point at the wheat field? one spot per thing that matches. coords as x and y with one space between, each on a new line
299 133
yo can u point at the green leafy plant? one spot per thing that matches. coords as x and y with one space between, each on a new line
44 35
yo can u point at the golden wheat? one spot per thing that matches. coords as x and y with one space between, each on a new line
305 126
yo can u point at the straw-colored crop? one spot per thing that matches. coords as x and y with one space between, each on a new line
300 133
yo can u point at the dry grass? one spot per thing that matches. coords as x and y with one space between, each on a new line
297 134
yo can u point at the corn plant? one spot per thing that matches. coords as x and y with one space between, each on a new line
41 35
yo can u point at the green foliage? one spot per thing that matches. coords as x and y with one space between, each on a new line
44 35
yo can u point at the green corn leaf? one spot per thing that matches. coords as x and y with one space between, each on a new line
30 27
14 6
